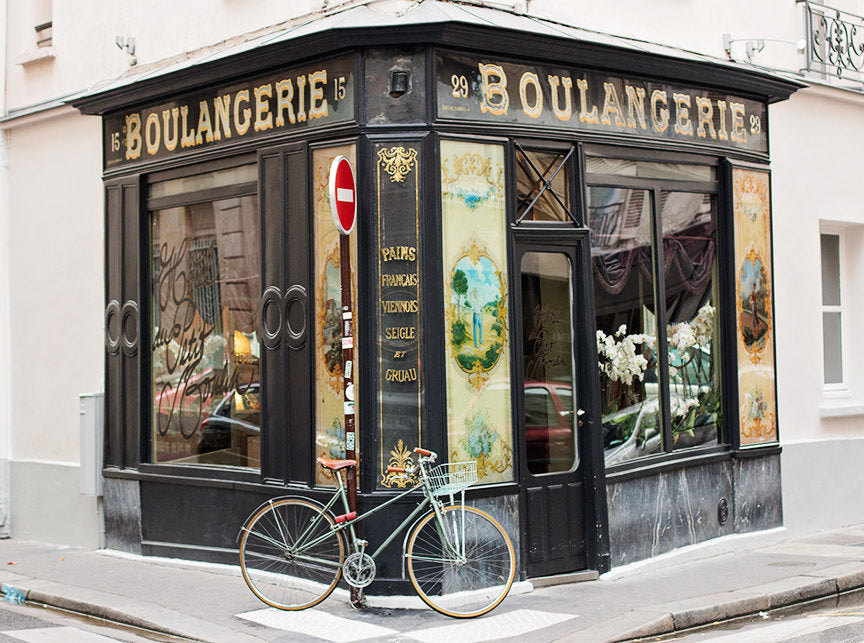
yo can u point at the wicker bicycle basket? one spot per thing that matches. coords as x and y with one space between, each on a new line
452 477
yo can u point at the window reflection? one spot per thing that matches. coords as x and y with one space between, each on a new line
624 260
550 439
542 186
205 351
690 261
649 169
622 256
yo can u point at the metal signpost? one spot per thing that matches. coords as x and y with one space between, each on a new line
343 205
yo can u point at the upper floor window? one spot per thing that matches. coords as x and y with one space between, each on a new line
832 311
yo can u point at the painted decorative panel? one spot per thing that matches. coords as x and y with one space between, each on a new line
755 307
476 307
400 342
329 405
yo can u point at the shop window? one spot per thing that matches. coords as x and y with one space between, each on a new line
329 375
547 344
832 312
624 301
205 287
543 185
654 267
649 169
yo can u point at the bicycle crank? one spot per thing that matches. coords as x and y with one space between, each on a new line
359 569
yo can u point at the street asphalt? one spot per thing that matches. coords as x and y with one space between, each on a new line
728 578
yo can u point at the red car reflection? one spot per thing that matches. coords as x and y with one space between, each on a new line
549 437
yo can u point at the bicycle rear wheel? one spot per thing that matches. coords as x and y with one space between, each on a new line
467 573
289 557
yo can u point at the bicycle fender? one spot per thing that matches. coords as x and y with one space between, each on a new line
320 505
413 526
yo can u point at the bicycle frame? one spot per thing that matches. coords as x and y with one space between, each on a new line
341 492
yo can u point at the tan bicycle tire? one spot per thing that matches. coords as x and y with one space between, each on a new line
485 528
263 531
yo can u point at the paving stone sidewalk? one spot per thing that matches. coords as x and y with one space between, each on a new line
723 579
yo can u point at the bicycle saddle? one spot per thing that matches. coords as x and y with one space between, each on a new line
336 465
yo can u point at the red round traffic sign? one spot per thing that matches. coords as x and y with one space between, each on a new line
343 194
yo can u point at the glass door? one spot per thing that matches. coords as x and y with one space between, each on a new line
549 416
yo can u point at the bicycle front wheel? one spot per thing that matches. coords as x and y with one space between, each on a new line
461 565
289 556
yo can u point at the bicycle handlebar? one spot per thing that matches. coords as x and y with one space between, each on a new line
425 452
425 456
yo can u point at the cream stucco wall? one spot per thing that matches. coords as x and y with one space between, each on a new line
85 52
695 25
817 187
56 280
84 36
55 285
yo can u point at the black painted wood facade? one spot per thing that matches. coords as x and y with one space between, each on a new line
195 512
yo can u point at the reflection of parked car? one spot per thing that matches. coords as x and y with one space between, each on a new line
631 432
634 431
234 426
549 437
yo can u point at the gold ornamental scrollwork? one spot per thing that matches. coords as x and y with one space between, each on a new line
400 456
489 464
758 421
397 162
472 164
751 195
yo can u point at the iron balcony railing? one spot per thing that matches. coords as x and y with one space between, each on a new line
835 41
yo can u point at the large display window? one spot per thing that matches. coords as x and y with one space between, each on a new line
205 286
654 264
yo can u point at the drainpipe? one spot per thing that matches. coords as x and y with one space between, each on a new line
5 369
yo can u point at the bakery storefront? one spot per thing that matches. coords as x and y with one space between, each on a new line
561 270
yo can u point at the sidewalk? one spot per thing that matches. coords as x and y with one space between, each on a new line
715 581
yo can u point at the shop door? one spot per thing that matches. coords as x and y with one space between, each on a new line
549 412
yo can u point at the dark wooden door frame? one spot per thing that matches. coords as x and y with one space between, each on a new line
575 243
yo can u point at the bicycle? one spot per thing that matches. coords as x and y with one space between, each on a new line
459 559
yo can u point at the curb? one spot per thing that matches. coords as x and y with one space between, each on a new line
99 611
23 595
717 608
122 611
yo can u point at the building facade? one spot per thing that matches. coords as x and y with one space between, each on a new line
579 261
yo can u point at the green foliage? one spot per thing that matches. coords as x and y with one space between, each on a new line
491 356
467 361
458 334
459 283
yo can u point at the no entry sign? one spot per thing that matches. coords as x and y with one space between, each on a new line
343 195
